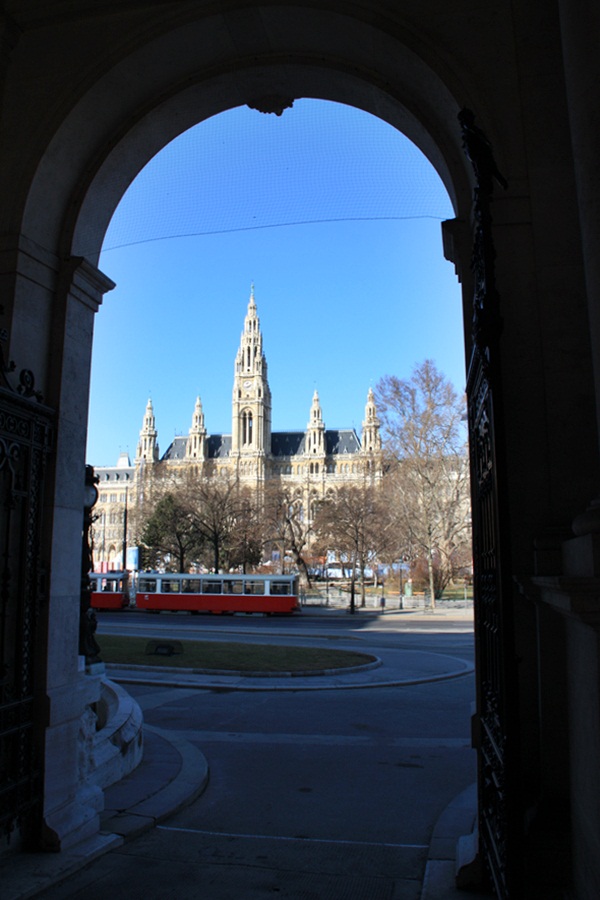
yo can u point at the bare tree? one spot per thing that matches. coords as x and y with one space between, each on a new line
354 522
427 474
216 507
247 536
287 524
170 534
201 517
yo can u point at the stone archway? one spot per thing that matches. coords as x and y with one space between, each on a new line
92 157
90 90
168 82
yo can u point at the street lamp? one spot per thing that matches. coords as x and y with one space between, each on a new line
124 547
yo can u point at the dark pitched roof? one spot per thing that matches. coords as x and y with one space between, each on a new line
219 446
283 443
343 440
287 443
293 443
114 474
177 449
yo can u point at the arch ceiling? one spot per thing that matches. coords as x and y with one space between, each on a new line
149 94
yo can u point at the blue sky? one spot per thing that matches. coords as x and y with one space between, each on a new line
335 218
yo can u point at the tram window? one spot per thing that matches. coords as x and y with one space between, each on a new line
170 587
254 587
280 587
212 587
147 585
233 587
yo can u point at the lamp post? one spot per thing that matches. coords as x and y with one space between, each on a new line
400 600
124 547
104 567
88 646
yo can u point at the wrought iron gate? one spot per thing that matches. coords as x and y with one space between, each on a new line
25 442
494 628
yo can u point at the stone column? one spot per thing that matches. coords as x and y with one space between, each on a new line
70 806
577 596
580 26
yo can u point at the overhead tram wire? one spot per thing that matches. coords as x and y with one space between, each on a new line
172 237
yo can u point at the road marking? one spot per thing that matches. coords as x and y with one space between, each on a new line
408 743
299 840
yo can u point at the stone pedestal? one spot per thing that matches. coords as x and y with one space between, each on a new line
570 607
71 805
581 556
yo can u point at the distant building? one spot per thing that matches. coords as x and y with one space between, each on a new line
312 462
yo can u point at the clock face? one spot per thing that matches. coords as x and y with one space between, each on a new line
247 384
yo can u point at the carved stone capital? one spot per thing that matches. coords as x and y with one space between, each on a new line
271 103
588 522
85 282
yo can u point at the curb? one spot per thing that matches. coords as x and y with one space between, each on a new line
234 673
218 680
188 784
457 822
33 873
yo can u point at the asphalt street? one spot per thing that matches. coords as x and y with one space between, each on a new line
311 793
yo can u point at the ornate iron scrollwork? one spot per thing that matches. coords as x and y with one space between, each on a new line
26 440
496 697
26 386
487 323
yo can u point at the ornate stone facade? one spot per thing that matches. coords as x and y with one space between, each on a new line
310 462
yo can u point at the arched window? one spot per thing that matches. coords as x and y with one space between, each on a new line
247 428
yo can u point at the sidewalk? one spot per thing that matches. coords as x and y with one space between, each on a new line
173 773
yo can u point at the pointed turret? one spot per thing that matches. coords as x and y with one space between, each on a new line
147 449
315 430
371 438
196 443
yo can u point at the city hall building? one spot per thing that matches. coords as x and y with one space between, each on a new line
308 463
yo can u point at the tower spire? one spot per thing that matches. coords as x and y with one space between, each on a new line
196 443
147 449
251 410
371 438
315 430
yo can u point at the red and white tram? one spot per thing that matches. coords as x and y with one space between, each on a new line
109 590
226 594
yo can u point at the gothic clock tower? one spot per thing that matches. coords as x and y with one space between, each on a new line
251 408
